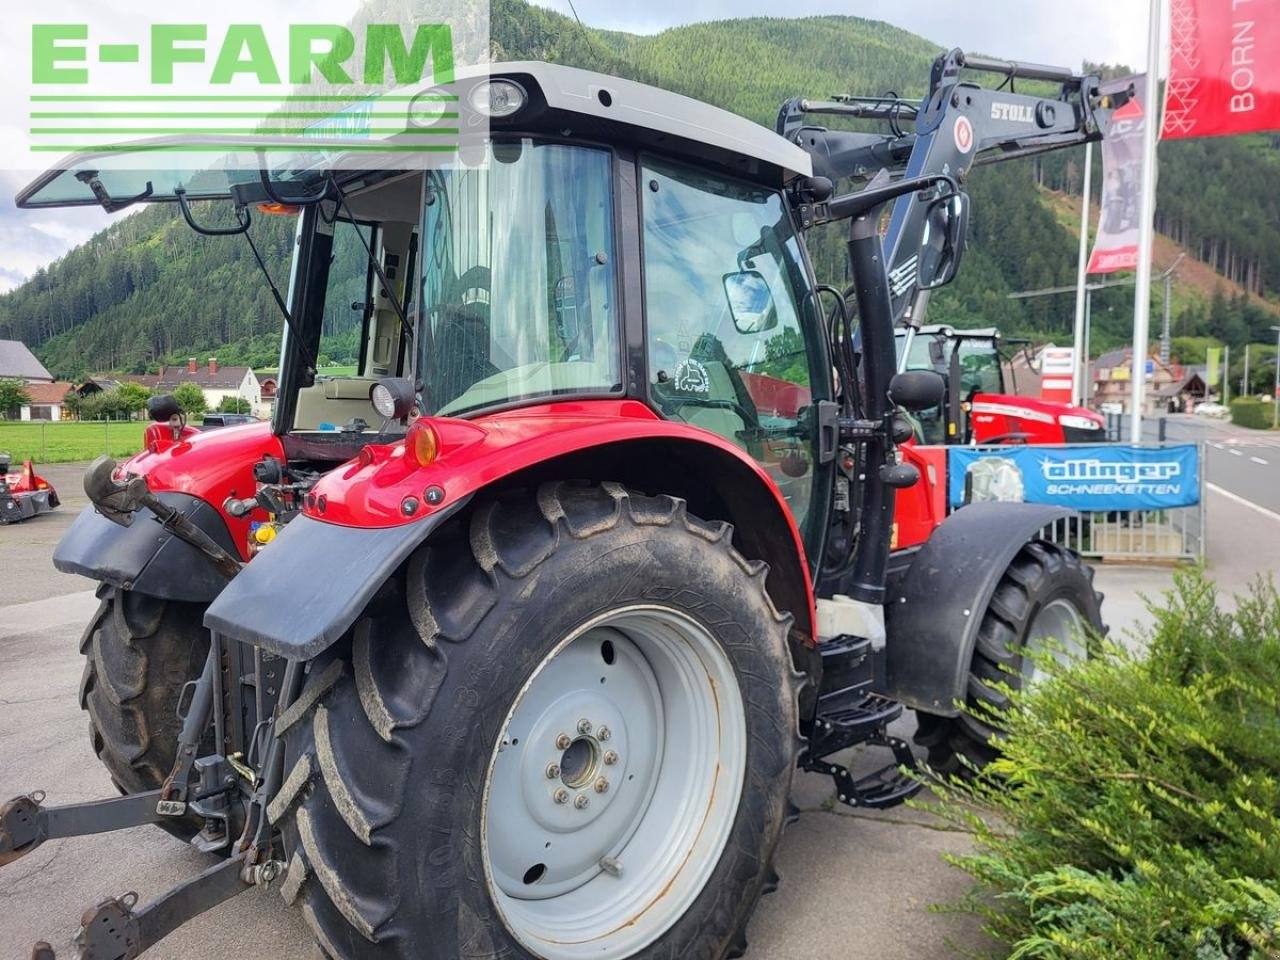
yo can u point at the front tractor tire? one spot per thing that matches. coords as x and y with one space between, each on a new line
567 729
1044 605
139 652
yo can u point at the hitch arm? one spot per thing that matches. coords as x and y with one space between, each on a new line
113 930
25 822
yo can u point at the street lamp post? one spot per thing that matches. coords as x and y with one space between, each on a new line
1275 393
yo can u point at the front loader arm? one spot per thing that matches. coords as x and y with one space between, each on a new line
956 126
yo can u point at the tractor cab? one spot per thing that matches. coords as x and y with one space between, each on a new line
977 407
602 240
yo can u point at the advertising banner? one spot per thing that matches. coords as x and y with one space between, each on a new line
1116 245
1057 373
1224 68
1085 477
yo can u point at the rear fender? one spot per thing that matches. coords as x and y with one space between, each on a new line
937 603
365 519
144 556
195 475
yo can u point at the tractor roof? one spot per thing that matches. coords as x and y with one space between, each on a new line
659 117
563 102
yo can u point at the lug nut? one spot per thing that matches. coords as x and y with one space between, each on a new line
610 758
561 795
563 741
603 734
602 785
584 727
553 771
581 801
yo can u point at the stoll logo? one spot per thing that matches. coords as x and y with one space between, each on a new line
1091 475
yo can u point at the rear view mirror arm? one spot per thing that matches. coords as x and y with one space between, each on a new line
856 204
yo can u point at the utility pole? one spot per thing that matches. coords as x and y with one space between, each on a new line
1275 393
1226 375
1167 277
1164 329
1244 380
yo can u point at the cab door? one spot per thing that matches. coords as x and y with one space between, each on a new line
731 347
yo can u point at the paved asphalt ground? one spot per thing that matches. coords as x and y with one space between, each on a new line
855 884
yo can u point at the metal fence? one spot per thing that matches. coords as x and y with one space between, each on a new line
1157 536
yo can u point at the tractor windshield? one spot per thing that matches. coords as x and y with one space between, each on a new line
518 293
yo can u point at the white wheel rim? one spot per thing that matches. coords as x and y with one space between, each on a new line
603 870
1057 631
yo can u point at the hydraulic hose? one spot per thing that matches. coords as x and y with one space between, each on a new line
871 287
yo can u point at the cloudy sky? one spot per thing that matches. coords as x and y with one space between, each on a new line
1046 31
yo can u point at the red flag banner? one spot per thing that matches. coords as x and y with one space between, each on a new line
1116 245
1224 68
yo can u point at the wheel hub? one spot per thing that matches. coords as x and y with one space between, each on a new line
1056 631
569 808
598 829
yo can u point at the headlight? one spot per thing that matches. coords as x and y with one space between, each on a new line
1078 423
497 98
392 397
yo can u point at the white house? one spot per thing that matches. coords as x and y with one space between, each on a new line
217 382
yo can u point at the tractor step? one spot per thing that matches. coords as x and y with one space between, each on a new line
850 724
887 787
847 714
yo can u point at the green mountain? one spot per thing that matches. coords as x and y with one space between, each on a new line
147 290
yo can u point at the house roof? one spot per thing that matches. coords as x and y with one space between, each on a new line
44 393
226 378
99 384
19 363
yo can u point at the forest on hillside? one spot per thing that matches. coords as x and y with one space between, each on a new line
147 290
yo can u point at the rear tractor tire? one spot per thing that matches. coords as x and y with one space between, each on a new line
567 729
1045 603
139 652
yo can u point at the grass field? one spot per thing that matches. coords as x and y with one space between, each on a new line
67 442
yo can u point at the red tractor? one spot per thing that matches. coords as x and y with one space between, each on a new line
510 644
977 408
23 494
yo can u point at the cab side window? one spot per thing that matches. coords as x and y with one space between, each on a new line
723 278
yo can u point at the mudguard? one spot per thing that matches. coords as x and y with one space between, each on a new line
145 556
291 603
936 605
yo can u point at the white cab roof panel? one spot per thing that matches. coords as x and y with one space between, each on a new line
640 105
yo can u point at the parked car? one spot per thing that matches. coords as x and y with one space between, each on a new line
1211 408
214 420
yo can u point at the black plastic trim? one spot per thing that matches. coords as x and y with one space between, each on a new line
306 589
145 556
935 607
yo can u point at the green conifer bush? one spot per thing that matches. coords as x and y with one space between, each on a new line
1134 812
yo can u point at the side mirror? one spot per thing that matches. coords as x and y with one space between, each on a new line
946 224
916 389
750 301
